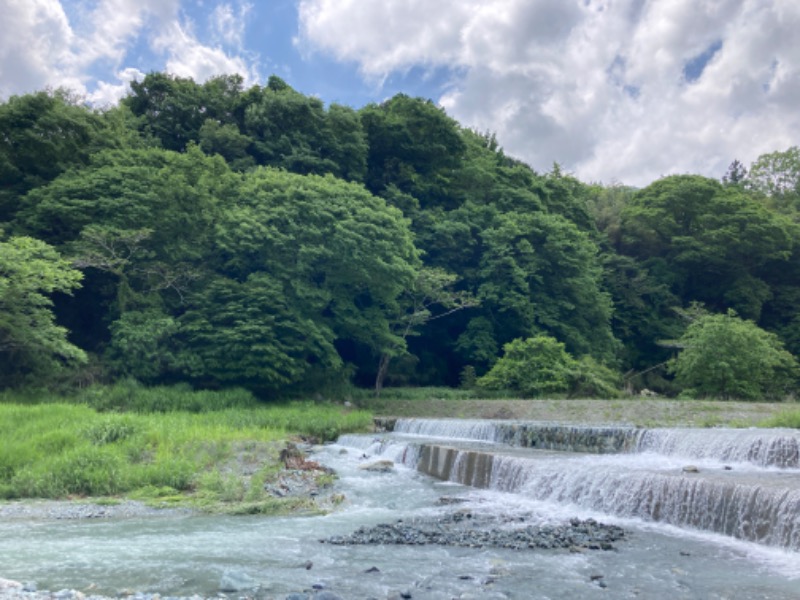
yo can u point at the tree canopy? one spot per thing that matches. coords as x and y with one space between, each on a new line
220 235
31 343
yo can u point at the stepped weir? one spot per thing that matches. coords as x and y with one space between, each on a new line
739 483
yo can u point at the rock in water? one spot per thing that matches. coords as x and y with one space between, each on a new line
380 466
327 596
690 469
236 581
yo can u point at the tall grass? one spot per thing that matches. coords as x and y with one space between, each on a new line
58 450
128 395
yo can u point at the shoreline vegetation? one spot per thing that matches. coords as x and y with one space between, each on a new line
226 451
208 451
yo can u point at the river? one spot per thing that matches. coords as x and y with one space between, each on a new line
661 556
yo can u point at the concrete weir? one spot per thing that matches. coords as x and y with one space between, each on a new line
739 483
451 464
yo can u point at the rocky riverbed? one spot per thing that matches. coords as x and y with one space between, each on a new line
458 528
467 529
80 509
461 528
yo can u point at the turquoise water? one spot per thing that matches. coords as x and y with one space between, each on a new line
188 554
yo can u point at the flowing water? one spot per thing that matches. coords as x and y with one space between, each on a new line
729 530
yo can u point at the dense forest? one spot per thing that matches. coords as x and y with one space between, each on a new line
217 236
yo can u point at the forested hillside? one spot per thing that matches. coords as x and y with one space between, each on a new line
221 236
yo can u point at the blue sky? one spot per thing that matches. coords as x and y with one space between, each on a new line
613 90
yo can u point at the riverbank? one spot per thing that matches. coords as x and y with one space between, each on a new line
636 411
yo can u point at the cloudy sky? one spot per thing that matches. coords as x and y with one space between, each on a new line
613 90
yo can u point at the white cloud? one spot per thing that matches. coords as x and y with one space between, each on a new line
188 57
108 94
40 48
228 23
597 85
36 47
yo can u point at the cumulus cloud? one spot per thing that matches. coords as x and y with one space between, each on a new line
627 90
94 57
188 57
36 48
109 93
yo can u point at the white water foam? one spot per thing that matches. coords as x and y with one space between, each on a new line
762 447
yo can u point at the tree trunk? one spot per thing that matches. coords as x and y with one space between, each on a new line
383 369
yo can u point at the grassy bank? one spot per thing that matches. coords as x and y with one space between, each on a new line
206 459
643 412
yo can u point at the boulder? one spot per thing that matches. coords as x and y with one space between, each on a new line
236 581
380 466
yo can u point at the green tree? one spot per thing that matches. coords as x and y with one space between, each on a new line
414 146
735 175
140 223
143 345
431 296
334 259
777 177
31 343
535 366
250 334
707 242
728 357
46 133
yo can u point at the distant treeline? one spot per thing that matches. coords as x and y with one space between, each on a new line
217 235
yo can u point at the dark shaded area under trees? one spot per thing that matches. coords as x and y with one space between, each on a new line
217 235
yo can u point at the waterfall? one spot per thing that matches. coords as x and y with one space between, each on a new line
483 431
762 447
746 484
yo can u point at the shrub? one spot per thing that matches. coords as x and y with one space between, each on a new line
534 367
592 379
727 357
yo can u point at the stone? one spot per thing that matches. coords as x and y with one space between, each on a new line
448 500
380 466
326 595
690 469
236 581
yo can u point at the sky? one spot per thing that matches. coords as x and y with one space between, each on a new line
615 91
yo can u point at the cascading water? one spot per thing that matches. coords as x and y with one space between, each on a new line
765 448
745 483
671 551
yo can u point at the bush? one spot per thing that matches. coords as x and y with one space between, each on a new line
534 367
591 379
727 357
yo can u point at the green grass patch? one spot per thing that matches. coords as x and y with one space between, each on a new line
58 450
786 418
129 395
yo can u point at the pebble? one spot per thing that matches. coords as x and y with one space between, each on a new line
466 529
